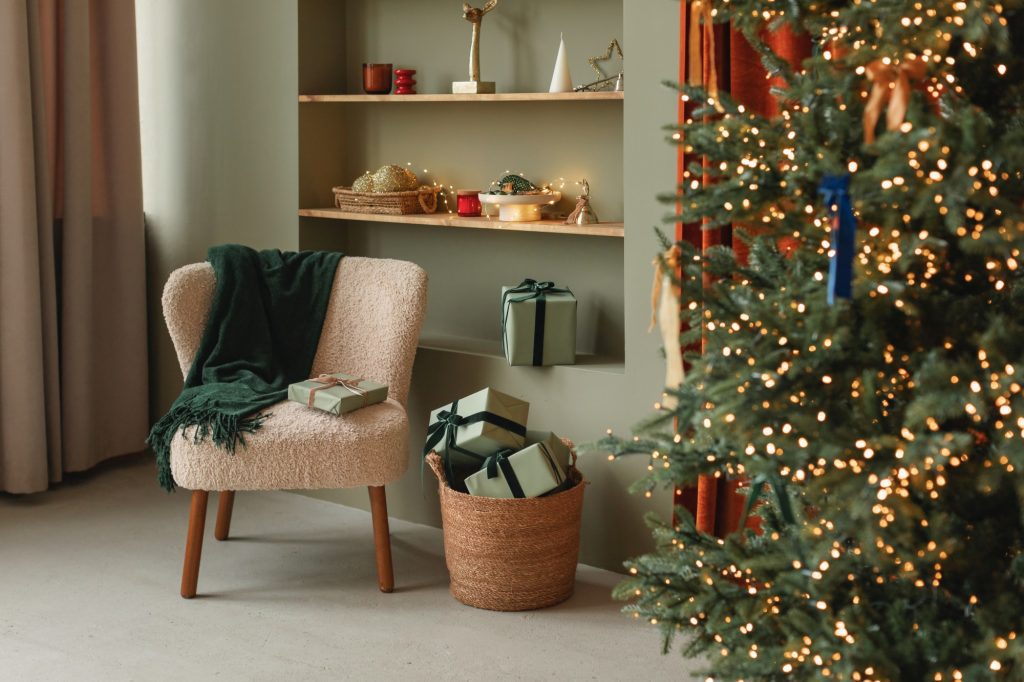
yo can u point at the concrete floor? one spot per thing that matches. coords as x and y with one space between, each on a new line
89 576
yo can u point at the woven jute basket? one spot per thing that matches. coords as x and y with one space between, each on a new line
511 555
422 200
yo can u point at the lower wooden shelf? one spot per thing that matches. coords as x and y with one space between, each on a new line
492 349
613 230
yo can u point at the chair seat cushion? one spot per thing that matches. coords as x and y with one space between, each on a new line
301 448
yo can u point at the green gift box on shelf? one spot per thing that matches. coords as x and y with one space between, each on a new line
538 324
337 393
464 433
531 472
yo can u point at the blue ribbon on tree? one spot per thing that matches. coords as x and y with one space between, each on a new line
448 422
527 290
835 189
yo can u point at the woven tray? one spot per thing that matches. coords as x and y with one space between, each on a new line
422 200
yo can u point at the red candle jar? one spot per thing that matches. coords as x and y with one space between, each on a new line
469 203
377 79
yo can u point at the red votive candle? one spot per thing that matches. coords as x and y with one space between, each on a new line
469 203
377 79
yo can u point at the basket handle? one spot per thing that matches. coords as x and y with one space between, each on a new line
434 461
428 206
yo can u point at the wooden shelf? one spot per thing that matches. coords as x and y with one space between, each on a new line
614 230
491 349
498 97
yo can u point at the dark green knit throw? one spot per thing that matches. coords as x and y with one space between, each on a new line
261 335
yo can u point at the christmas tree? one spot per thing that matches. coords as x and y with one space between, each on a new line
859 361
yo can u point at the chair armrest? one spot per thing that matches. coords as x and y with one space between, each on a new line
186 302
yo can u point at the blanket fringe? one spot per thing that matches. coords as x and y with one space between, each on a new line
227 431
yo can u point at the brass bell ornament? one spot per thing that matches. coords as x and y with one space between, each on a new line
582 214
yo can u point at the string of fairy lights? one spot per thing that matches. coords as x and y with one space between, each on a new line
897 265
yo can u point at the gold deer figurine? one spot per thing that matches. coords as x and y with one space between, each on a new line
475 16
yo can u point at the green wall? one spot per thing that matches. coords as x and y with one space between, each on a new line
221 147
217 104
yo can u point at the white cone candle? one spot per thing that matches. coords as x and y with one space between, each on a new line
561 81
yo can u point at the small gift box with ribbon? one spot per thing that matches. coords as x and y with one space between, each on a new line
556 446
538 323
337 393
533 471
464 433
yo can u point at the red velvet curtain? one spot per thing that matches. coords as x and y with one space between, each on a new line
716 506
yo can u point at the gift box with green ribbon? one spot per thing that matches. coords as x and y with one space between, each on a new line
465 432
556 446
531 472
538 324
337 393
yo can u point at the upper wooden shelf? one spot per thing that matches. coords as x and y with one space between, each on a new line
498 97
615 230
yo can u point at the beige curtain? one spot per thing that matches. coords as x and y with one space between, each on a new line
73 369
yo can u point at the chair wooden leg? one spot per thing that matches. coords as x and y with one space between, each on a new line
382 538
225 504
194 543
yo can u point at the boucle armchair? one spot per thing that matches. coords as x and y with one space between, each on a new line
371 329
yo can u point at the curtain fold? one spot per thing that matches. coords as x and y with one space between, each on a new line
73 358
714 503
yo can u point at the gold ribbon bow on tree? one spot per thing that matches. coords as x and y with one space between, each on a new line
328 381
891 83
703 54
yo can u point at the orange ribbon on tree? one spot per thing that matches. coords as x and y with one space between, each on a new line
891 84
702 19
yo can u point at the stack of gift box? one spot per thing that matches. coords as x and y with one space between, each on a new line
482 438
487 450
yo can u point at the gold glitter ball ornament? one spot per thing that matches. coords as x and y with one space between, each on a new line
364 183
394 179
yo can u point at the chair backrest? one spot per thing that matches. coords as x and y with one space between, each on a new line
371 328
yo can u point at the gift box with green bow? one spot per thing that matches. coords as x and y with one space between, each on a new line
538 323
559 450
337 393
531 472
467 431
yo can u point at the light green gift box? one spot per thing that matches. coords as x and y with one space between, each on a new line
531 472
482 437
338 398
538 324
558 449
